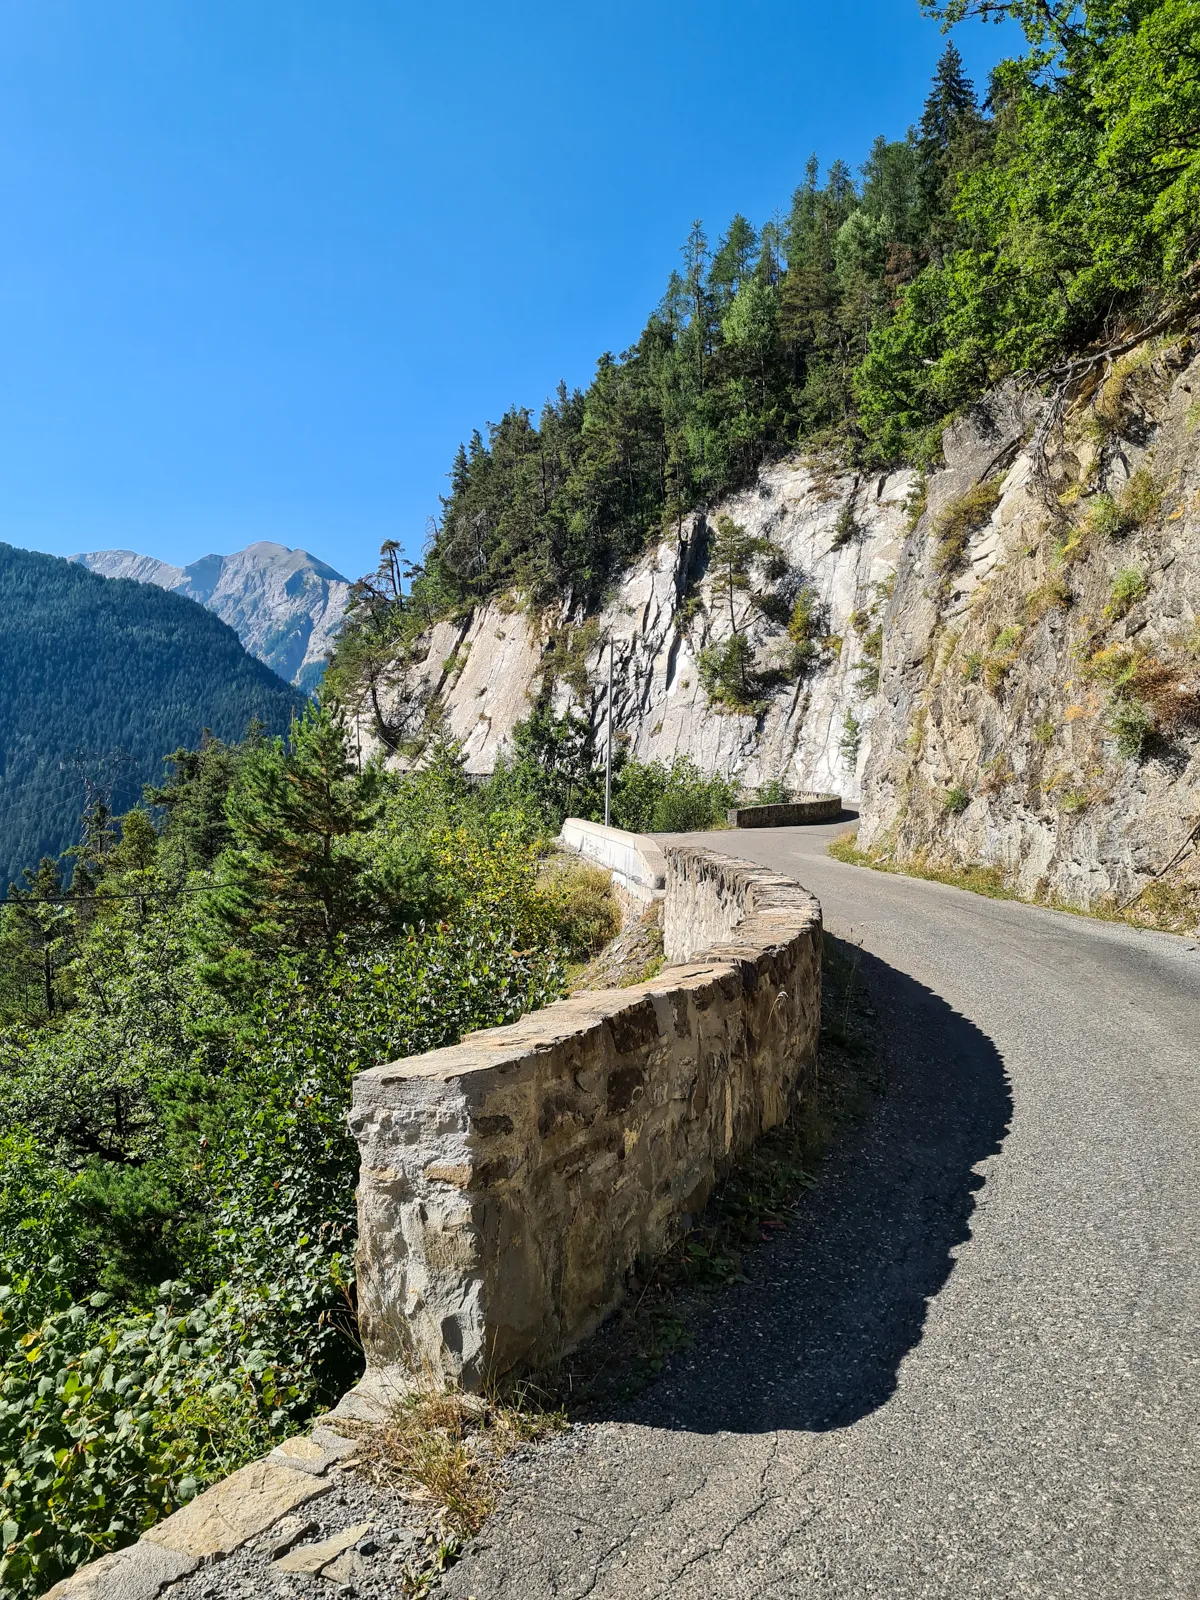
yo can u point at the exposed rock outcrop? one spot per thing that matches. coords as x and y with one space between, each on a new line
284 605
1010 679
839 536
1039 710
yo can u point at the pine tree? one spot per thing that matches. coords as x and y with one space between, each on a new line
734 261
291 876
195 828
36 940
947 136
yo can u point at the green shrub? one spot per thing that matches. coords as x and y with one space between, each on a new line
851 739
1128 588
804 625
867 670
727 674
1140 499
1131 723
586 911
956 800
1112 518
651 797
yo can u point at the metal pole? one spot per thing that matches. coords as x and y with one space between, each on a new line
608 742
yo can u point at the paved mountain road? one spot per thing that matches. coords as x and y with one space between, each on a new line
972 1368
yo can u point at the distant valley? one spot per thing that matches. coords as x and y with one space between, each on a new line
284 605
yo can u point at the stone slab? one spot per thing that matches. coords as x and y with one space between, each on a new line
288 1531
224 1517
820 808
314 1453
349 1568
139 1572
312 1558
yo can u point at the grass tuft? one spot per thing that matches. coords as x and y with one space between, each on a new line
958 521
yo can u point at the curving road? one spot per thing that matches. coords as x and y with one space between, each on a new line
973 1368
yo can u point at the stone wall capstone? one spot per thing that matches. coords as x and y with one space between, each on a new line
510 1182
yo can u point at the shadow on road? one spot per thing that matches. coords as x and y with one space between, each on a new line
815 1339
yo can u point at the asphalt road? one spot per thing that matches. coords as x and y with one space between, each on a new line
973 1366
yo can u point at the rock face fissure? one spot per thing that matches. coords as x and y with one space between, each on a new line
509 1183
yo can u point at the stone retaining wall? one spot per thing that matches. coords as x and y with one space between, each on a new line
509 1183
788 814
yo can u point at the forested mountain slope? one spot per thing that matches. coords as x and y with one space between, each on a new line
284 605
98 679
996 316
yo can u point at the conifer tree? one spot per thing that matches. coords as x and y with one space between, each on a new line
291 876
949 127
35 938
734 260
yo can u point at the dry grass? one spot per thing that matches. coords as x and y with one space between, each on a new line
979 879
1053 595
583 903
958 521
445 1451
1171 692
1171 905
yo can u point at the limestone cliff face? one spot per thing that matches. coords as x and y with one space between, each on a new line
1039 705
284 605
838 538
1011 682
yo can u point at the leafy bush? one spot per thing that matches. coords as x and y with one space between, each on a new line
652 797
956 800
1131 723
176 1174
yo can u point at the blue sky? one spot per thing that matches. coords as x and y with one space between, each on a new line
267 263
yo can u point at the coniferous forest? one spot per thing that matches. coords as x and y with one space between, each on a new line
99 678
186 995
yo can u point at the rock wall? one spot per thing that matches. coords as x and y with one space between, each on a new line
1015 685
840 534
509 1183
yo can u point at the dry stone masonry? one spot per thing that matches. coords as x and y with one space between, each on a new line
509 1183
507 1186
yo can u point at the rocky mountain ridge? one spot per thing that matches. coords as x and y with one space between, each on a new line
284 605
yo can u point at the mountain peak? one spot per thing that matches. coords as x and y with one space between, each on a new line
284 605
